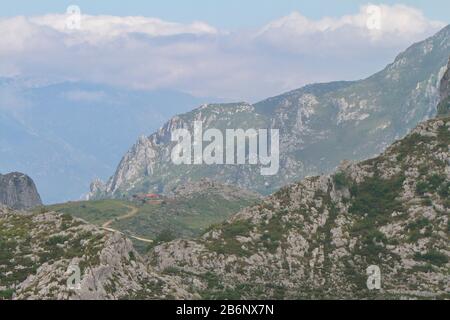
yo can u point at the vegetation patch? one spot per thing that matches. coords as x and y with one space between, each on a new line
410 145
273 234
183 217
444 137
433 183
228 244
433 257
376 196
341 180
415 229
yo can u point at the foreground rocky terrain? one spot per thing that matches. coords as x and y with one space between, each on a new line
38 251
316 238
18 191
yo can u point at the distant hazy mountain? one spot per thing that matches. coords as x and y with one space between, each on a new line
320 125
66 134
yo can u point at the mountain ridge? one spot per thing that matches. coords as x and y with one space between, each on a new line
320 125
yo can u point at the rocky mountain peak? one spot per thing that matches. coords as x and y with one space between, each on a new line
320 125
18 191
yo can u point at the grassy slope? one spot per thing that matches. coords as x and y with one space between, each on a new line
96 212
181 218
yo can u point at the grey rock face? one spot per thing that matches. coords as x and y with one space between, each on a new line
97 187
207 186
44 247
444 106
18 191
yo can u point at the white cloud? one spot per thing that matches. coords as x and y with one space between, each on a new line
102 27
151 53
375 25
397 19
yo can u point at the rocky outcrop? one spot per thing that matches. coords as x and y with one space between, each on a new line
444 106
18 191
317 238
208 187
41 251
96 189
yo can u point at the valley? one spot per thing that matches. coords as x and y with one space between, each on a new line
185 214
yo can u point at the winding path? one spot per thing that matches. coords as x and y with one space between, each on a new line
130 214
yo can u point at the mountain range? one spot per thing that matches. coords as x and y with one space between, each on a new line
320 125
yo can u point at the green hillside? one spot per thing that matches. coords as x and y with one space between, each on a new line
180 216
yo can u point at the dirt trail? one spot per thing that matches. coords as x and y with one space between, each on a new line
130 214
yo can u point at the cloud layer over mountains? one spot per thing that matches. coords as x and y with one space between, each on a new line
149 53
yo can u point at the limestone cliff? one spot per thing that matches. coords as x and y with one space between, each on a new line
18 191
444 105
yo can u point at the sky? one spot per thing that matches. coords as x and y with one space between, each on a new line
229 14
235 50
